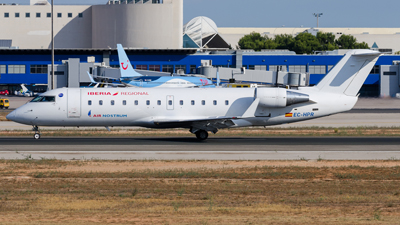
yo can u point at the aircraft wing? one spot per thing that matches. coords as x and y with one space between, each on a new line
206 123
112 84
209 124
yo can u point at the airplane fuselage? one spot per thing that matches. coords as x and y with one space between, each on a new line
153 108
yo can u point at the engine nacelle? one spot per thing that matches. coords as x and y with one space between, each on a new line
279 97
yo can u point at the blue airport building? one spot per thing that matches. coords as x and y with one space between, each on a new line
31 66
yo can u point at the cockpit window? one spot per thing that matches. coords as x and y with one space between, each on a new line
44 99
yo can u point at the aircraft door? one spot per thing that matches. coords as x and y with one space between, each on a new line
74 103
170 102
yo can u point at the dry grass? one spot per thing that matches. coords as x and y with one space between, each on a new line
3 115
199 192
303 131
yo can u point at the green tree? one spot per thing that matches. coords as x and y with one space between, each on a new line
305 43
284 41
350 42
326 41
254 41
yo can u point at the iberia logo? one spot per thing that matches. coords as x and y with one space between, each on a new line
103 93
288 114
122 64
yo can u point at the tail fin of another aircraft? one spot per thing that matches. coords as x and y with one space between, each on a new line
125 65
350 73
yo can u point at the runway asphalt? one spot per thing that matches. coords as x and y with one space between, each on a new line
181 143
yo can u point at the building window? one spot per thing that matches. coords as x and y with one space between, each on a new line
16 69
168 68
226 102
27 15
124 102
390 73
80 15
37 15
277 68
252 67
180 67
297 68
38 69
317 69
112 102
203 102
16 15
159 102
2 69
101 102
181 102
89 102
375 70
136 102
154 68
193 69
59 15
141 67
147 102
48 15
6 15
69 15
330 67
192 102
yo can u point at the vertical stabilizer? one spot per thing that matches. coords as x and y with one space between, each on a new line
350 73
125 65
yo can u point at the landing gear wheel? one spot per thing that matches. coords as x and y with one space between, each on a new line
36 136
37 132
202 135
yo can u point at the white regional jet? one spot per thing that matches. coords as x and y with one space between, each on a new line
201 110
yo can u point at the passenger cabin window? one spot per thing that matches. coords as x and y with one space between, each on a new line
226 102
147 102
136 102
89 102
181 102
101 102
112 102
44 99
124 102
215 102
192 102
159 102
203 102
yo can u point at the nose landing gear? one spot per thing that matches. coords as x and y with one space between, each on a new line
37 132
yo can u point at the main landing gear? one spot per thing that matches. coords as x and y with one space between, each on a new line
37 132
201 135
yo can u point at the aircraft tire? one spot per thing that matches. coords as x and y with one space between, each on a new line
202 135
36 136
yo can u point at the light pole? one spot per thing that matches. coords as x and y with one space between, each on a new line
318 15
52 46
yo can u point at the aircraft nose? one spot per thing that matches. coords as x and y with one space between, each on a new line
11 116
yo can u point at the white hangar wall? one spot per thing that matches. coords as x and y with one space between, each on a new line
154 26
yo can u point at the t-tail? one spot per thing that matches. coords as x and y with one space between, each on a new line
125 65
350 73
